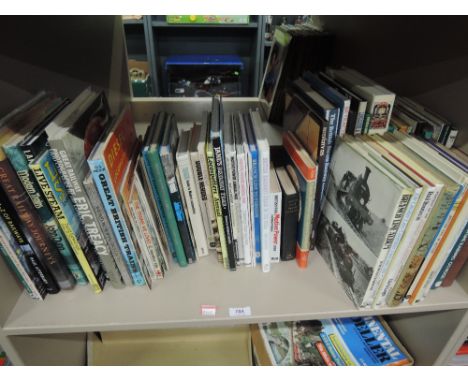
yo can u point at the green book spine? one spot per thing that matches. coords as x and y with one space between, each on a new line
156 168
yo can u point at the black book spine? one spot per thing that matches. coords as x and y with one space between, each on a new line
323 161
58 277
220 175
289 222
36 272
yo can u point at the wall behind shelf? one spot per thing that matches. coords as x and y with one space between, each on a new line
421 57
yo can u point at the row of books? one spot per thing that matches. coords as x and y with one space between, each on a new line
355 341
85 200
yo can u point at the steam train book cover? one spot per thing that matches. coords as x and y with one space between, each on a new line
356 219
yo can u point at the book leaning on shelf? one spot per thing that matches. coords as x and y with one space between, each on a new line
108 161
50 266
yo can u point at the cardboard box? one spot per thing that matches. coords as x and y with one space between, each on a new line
219 346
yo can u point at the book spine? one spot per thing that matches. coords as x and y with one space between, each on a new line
431 253
256 206
451 259
345 116
12 254
250 183
114 214
398 242
59 276
360 118
447 236
104 224
400 219
20 158
100 259
161 193
428 200
210 205
333 118
53 189
157 203
233 198
144 240
367 119
153 219
289 218
264 161
417 255
244 207
223 197
451 138
150 235
275 227
222 252
177 206
458 264
323 160
202 187
193 206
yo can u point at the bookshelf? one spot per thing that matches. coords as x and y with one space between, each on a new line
54 332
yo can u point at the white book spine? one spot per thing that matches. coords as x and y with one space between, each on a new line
275 226
232 191
193 207
398 216
396 243
427 201
204 182
253 261
244 196
433 246
344 120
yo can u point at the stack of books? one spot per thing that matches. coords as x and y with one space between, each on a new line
355 341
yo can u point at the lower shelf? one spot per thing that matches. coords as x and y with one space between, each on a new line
286 293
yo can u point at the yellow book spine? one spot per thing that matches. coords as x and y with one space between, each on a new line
61 217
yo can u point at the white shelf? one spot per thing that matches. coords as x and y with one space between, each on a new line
286 293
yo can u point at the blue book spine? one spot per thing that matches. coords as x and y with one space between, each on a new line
158 202
256 194
115 216
453 255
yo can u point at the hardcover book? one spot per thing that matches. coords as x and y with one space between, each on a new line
107 162
53 188
247 250
302 172
356 230
71 141
275 216
167 152
160 191
216 129
200 171
21 120
191 195
289 215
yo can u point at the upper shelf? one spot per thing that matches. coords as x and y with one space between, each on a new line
286 293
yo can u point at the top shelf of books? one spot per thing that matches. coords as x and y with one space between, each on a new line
285 293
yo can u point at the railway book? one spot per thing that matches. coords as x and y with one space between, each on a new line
275 216
159 187
356 230
107 162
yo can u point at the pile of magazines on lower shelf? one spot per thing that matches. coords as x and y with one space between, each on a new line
357 341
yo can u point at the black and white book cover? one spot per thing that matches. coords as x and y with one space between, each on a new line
359 220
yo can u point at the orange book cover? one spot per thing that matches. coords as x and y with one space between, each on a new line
293 148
